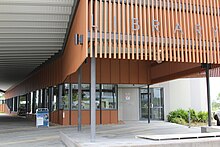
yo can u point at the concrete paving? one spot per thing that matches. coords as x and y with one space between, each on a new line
124 134
20 132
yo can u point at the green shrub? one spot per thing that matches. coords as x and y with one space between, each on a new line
180 116
202 117
193 115
178 121
180 113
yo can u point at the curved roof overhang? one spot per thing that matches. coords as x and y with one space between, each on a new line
107 33
31 32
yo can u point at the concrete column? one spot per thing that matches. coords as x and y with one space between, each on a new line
148 94
26 98
40 99
13 104
60 89
50 106
70 103
52 98
18 102
34 102
29 102
93 97
60 96
43 98
79 98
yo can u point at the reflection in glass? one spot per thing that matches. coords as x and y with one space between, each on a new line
109 96
85 96
65 99
54 99
107 93
156 104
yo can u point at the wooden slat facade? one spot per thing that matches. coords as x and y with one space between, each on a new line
183 30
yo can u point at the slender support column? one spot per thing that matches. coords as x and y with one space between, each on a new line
43 98
34 102
208 94
148 95
29 102
40 99
13 104
93 97
26 96
50 107
18 102
60 88
70 103
79 98
100 102
49 99
46 97
52 99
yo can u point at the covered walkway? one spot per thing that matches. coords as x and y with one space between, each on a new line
19 131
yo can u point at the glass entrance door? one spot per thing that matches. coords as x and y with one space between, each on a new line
144 105
156 104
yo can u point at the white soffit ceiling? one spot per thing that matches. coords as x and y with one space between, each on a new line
31 32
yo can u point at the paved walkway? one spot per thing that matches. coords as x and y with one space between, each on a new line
124 134
20 132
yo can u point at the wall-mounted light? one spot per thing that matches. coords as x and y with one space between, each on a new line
78 39
159 61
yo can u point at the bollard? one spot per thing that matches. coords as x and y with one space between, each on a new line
189 119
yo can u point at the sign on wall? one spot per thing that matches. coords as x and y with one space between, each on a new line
161 30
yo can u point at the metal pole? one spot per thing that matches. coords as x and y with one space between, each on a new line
93 97
26 98
13 104
208 94
50 102
148 91
70 104
29 102
100 102
189 119
79 98
34 102
18 102
59 101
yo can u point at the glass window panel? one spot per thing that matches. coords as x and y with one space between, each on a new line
54 100
97 100
108 93
65 99
74 96
85 100
109 96
37 99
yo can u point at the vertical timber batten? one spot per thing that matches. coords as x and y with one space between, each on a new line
174 29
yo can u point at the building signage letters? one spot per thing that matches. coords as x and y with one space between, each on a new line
155 26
